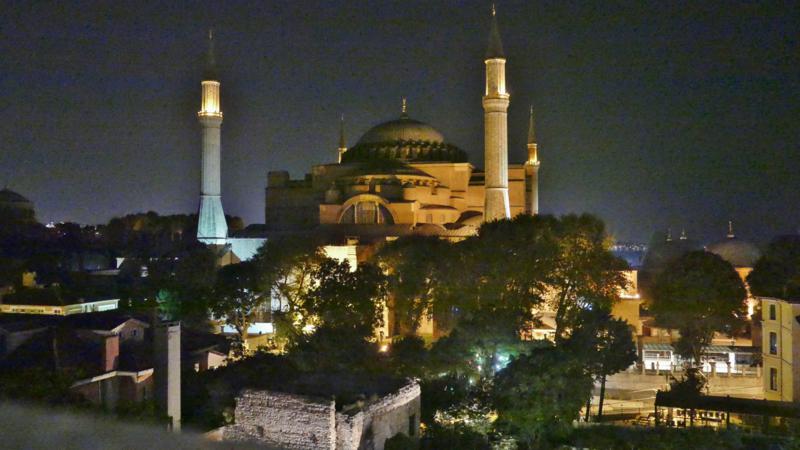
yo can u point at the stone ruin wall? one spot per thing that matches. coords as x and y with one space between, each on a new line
304 423
371 427
283 420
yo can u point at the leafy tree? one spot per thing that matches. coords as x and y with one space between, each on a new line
331 349
540 393
346 299
413 266
408 357
690 385
237 298
457 436
585 274
168 304
605 343
698 294
286 269
41 384
777 272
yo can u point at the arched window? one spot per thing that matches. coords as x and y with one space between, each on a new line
367 212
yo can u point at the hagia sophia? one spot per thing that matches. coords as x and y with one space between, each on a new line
401 177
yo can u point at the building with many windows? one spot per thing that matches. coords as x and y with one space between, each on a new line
781 349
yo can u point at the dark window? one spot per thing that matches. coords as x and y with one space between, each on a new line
412 424
772 312
773 343
773 379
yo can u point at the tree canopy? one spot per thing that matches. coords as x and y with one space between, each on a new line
698 294
777 272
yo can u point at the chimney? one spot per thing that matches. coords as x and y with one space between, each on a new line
110 355
167 371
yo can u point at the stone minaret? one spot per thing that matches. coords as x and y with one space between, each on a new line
211 226
495 120
532 171
342 144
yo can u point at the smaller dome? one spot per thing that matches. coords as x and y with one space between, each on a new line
738 252
9 196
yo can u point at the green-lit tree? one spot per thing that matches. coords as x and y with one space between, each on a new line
698 294
540 393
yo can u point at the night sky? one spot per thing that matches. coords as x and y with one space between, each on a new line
652 114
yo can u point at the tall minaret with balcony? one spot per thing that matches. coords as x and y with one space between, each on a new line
211 226
532 171
495 119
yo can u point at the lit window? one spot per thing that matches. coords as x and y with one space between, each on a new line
772 313
773 343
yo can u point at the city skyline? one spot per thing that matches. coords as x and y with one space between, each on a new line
649 117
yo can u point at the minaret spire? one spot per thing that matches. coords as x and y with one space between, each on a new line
210 69
495 49
495 121
532 170
730 230
404 109
531 129
342 142
211 227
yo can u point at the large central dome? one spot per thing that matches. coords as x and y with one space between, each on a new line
404 139
403 129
